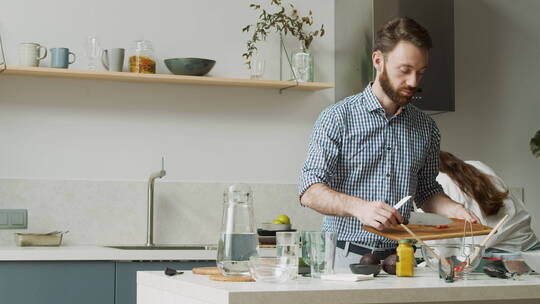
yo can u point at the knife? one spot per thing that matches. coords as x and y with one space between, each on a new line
423 218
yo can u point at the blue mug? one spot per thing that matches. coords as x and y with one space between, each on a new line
60 58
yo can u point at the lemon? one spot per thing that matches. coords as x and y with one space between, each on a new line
284 219
277 222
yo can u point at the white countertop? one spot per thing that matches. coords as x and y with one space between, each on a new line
100 253
425 287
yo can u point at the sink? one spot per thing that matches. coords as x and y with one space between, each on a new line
164 247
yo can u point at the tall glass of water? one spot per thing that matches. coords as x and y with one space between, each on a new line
287 244
238 238
323 251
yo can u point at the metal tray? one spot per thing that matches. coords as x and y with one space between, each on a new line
39 239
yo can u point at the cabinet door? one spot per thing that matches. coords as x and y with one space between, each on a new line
57 282
126 276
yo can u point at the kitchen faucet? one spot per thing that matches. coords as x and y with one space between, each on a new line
150 220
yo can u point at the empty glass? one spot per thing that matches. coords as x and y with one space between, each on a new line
323 252
287 245
257 67
92 49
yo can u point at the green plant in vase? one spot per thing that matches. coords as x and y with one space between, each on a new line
284 22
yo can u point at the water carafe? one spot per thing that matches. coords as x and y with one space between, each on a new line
238 239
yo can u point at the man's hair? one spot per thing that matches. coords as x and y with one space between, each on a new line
401 29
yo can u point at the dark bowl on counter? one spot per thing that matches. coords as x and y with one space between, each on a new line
189 66
365 269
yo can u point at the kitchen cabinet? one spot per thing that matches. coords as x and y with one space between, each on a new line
78 282
356 24
126 276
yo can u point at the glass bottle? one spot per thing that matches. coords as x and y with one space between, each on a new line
405 259
302 65
142 59
238 239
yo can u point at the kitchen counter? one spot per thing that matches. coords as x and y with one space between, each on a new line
100 253
425 287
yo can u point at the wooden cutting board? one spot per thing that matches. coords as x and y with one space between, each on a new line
206 270
424 232
222 278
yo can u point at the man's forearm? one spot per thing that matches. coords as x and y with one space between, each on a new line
324 200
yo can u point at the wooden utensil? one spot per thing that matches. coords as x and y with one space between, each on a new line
444 262
486 240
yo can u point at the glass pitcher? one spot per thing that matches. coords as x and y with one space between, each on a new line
238 239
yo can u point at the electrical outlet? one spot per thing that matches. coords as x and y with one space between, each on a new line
13 218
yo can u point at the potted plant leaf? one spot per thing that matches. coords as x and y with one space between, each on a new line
284 21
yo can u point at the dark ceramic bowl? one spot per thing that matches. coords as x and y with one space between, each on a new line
189 66
365 269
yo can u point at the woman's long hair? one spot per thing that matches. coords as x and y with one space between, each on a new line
473 182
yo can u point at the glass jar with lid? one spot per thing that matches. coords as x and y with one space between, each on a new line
142 59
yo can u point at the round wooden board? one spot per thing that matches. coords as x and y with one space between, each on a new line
206 270
222 278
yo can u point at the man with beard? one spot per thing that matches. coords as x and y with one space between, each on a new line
370 150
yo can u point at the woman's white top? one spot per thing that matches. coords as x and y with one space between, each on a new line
516 234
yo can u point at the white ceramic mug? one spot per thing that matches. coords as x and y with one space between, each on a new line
29 54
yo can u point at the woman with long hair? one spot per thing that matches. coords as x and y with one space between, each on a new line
476 186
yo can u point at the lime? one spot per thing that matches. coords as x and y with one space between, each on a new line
284 219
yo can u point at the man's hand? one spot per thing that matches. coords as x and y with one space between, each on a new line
327 201
376 214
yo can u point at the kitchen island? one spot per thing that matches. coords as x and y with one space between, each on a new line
425 287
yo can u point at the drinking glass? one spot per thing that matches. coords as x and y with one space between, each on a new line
323 252
92 49
287 244
257 67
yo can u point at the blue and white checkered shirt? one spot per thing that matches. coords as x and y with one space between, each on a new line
356 150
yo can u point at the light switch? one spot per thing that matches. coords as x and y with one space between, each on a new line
17 218
3 219
13 218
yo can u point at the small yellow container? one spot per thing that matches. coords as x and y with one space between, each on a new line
405 259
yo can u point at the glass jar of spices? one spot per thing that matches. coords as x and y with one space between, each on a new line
142 59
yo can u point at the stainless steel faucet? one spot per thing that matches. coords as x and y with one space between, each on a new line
150 220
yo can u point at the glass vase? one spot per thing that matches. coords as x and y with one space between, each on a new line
302 65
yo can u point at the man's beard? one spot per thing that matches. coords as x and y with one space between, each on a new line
395 95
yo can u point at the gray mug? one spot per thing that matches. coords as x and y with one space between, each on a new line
60 58
113 59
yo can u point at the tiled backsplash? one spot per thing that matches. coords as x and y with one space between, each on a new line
114 212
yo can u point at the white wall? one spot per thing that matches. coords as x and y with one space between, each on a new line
497 99
66 129
80 129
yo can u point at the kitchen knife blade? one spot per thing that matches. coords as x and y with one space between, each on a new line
423 218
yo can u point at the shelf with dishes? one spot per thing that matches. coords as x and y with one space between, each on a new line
165 78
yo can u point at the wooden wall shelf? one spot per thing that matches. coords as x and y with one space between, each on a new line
165 78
